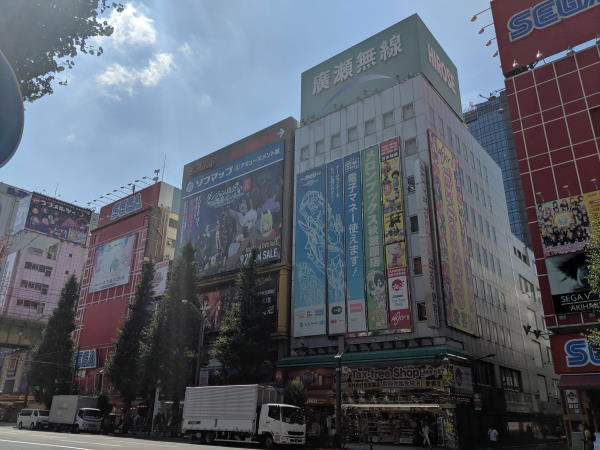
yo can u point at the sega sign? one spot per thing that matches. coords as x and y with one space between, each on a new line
524 27
545 14
572 353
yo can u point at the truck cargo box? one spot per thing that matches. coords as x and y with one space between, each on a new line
65 407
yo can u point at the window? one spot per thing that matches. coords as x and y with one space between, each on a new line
449 135
171 242
46 270
511 379
421 312
408 111
274 412
43 288
320 147
410 146
304 153
370 127
336 140
173 223
417 266
414 224
483 373
410 183
432 116
70 255
352 134
388 119
441 122
35 251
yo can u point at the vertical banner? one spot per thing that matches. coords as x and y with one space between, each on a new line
309 254
373 233
355 258
394 236
336 279
451 227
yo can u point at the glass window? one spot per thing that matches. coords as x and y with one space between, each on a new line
417 266
370 127
410 183
352 134
421 311
336 140
320 147
388 119
410 146
274 412
511 379
408 111
292 415
304 153
414 224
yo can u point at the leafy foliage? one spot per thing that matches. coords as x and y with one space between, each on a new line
123 368
294 393
244 337
593 263
40 38
52 366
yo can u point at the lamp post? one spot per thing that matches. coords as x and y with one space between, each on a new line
338 399
200 351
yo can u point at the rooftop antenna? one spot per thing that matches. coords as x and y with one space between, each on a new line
163 169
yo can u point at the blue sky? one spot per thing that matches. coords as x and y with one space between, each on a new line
184 78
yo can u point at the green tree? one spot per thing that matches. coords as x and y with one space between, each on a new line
176 328
593 263
294 393
123 368
51 370
40 38
244 337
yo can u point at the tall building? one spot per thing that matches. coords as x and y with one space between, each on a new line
141 226
555 117
489 123
236 199
403 280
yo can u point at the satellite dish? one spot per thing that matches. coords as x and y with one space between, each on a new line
11 112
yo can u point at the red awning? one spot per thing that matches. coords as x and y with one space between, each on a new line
586 381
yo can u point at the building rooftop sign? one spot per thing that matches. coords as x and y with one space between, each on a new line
399 52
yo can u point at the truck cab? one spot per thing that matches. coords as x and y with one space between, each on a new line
283 423
88 419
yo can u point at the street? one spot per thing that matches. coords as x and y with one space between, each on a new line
13 439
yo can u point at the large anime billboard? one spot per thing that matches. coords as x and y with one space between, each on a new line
449 207
112 264
234 208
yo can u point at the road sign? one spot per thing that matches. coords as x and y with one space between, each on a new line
11 112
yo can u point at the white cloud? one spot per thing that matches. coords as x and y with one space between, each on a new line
122 78
186 50
205 100
132 27
71 138
159 66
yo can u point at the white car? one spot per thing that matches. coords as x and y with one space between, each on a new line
33 418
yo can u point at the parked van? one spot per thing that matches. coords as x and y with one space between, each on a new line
33 418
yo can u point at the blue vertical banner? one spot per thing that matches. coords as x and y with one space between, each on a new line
309 254
336 274
355 257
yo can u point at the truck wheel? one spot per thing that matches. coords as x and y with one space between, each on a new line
76 429
20 425
209 437
268 441
32 426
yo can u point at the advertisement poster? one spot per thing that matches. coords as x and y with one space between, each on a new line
397 276
54 218
572 353
454 256
6 275
228 211
391 192
568 277
377 298
564 224
21 214
161 273
355 258
336 279
592 203
112 264
309 254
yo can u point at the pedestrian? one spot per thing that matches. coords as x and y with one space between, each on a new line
493 436
588 438
425 434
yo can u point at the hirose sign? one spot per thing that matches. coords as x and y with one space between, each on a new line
379 62
524 27
572 353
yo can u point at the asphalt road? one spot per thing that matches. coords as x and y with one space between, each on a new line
13 439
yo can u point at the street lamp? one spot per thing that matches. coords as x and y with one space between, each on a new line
338 398
200 351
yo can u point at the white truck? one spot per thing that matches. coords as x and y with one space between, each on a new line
75 413
248 413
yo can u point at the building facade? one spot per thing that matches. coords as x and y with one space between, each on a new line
234 200
555 117
403 281
136 228
489 122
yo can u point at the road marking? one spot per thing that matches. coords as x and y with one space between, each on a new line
86 442
44 445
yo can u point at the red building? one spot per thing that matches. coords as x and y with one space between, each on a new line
555 112
139 226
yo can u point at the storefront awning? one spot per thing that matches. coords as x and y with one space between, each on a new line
585 381
375 357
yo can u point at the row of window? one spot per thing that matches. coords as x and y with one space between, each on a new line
494 332
31 304
46 270
488 293
43 288
527 287
521 255
335 141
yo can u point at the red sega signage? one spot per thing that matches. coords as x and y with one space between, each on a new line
572 353
524 27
